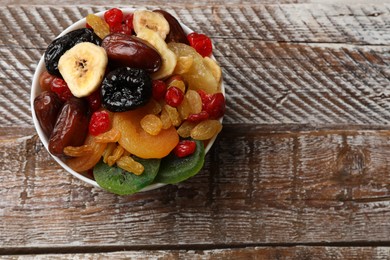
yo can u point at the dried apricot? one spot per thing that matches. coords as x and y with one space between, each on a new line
137 141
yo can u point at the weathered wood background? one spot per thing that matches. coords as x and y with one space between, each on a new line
300 171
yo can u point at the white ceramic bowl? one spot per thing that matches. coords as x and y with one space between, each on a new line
36 90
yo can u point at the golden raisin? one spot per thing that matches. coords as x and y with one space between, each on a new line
78 151
116 154
129 164
185 129
108 151
184 109
173 115
111 136
99 26
206 129
165 119
194 100
151 124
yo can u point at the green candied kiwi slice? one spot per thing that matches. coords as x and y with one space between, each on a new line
174 169
121 182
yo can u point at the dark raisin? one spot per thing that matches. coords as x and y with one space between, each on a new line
60 45
125 89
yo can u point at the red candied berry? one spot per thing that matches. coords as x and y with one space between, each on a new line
113 17
60 87
174 96
125 27
99 123
216 106
204 97
213 104
128 23
203 115
88 26
201 43
184 148
159 88
95 100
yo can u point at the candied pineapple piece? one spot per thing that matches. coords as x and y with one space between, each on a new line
198 76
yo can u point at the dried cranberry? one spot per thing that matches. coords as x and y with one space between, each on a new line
60 87
159 88
99 123
203 115
204 96
216 106
95 100
201 43
174 96
113 17
213 104
184 148
128 23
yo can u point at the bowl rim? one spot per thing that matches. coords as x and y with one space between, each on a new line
35 91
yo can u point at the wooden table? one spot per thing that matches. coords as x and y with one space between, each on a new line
301 169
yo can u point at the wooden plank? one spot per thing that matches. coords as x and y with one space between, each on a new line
256 188
170 3
288 253
277 70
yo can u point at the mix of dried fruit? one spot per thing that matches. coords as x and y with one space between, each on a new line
131 98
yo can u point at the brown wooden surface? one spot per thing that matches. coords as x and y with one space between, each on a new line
301 169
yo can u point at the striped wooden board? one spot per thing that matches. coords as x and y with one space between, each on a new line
300 170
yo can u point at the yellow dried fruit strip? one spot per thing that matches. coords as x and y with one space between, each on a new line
129 164
78 151
111 136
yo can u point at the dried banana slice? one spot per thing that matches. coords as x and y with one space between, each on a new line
83 68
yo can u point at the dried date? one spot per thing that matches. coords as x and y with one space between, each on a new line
129 51
71 127
46 107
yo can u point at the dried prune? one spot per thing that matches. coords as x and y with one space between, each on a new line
71 127
129 51
60 45
125 89
176 32
46 107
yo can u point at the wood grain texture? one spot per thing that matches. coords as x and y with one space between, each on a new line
297 184
288 253
300 171
282 64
